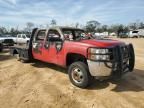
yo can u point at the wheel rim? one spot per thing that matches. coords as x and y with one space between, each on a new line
77 75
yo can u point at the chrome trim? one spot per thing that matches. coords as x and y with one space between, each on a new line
98 68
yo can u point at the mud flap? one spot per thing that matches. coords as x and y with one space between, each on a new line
132 58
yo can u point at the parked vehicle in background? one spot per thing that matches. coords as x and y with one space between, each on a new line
136 33
22 39
123 35
141 32
112 34
101 35
7 40
84 57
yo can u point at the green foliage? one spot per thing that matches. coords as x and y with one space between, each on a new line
92 25
53 22
29 27
14 31
3 30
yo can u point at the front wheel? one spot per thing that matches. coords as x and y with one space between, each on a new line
79 74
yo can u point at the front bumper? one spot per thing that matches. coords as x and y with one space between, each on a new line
122 61
98 68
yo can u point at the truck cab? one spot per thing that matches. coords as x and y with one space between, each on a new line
22 39
84 57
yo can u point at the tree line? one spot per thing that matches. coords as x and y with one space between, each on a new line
95 26
27 29
90 26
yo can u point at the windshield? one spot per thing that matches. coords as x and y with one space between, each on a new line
135 32
74 34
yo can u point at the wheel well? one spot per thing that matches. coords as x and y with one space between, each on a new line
73 57
135 36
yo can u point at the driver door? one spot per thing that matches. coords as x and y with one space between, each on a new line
37 44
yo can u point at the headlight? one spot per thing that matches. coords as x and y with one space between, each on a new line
98 54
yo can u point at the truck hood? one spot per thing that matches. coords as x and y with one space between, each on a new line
103 42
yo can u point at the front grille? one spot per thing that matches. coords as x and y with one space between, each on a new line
123 59
111 54
125 52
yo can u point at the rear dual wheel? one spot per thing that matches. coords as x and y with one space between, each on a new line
21 60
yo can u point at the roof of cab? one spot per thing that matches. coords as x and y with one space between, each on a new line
61 27
64 27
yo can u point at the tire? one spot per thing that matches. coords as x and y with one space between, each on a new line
132 57
79 74
20 59
24 61
135 36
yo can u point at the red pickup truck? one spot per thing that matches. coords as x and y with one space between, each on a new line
86 58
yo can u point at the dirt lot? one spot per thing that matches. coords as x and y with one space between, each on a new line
41 85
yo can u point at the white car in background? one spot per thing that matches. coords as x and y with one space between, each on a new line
22 39
136 33
101 35
7 40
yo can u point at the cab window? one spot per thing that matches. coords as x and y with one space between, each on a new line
23 36
68 35
41 35
19 36
53 36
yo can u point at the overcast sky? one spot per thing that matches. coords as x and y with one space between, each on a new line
18 12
